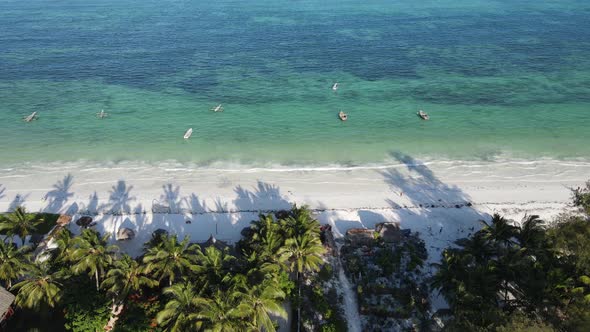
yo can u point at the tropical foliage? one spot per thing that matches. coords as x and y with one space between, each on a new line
14 262
509 275
19 223
83 281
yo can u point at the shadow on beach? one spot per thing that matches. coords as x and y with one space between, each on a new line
417 200
60 194
420 187
265 197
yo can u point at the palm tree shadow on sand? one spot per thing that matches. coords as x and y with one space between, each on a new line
59 195
264 197
442 213
119 199
117 206
420 187
17 201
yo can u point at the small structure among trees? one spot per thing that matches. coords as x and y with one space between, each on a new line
385 264
6 300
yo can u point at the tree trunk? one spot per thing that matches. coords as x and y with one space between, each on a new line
299 304
116 310
96 275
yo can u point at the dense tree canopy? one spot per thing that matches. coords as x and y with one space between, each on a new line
510 275
174 286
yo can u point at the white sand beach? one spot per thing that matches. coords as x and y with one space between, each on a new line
443 201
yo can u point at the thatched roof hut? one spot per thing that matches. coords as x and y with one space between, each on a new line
389 231
6 300
84 222
212 241
360 236
63 220
125 234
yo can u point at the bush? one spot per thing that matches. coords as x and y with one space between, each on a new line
385 259
326 272
581 197
329 327
85 309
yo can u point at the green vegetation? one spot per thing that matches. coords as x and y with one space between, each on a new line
22 224
528 277
175 285
392 292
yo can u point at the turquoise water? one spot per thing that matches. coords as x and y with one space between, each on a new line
503 78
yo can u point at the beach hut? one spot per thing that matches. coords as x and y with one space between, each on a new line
84 222
212 241
6 300
125 234
389 231
360 236
63 220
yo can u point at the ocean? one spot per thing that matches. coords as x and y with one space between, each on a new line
501 80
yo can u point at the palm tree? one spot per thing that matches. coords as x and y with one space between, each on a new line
92 254
531 233
126 276
213 264
302 254
500 230
261 301
266 235
13 262
222 312
20 223
64 241
300 222
447 277
171 258
478 246
40 290
180 312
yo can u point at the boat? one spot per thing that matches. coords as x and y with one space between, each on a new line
343 116
102 114
188 133
423 115
31 117
217 108
335 86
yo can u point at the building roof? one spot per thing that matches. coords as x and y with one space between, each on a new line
6 299
212 241
125 234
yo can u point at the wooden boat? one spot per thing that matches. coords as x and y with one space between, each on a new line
102 114
31 117
188 133
335 86
217 108
423 115
343 116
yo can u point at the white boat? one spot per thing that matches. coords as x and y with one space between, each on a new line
335 86
217 108
343 116
102 114
31 117
423 115
188 133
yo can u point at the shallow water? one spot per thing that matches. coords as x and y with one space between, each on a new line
500 79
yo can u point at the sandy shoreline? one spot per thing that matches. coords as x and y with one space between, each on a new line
421 196
443 201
